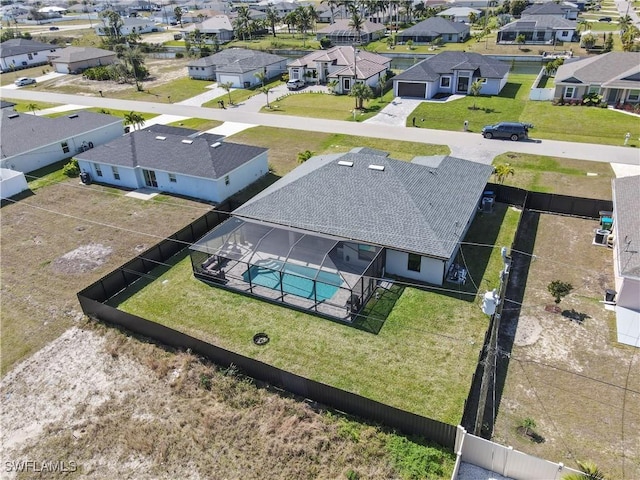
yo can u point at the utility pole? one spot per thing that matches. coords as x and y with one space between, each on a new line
491 305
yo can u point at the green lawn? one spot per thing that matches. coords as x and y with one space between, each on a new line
574 124
200 124
422 359
239 95
323 105
558 175
281 41
21 105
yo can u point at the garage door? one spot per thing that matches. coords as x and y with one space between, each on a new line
411 89
235 80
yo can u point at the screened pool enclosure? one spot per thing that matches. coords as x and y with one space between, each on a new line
319 273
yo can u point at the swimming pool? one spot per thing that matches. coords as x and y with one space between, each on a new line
296 279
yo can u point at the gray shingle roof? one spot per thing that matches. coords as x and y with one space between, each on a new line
79 54
338 56
434 26
548 8
626 205
343 25
540 22
25 132
432 68
20 46
238 60
407 206
616 69
198 158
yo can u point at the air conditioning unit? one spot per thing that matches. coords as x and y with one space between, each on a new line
487 204
601 236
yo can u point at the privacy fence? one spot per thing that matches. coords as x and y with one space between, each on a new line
93 301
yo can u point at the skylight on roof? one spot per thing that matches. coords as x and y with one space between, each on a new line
379 168
159 137
344 163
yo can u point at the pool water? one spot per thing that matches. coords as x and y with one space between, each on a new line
296 279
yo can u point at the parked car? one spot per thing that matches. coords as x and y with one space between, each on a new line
604 19
21 82
512 130
296 84
54 28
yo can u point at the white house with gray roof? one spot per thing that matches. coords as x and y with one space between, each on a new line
451 73
180 162
18 53
30 142
614 75
238 66
344 64
539 29
322 237
218 27
432 28
78 59
626 256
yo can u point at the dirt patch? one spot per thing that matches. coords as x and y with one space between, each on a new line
82 259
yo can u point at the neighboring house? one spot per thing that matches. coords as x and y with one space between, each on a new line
282 8
238 66
344 221
473 3
451 73
129 26
432 28
11 183
341 32
340 63
8 105
57 138
561 10
538 29
202 166
19 53
614 75
460 14
78 59
626 254
218 28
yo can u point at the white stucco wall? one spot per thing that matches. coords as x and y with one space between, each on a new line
23 60
206 73
431 269
11 183
47 154
492 87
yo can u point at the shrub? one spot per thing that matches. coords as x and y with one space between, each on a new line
325 42
592 100
179 55
416 460
71 169
97 73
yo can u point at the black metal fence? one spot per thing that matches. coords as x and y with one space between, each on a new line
550 202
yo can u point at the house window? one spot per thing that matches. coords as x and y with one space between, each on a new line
98 169
65 147
634 95
565 33
35 53
594 89
30 56
226 180
445 82
414 262
483 81
172 178
366 252
115 172
569 92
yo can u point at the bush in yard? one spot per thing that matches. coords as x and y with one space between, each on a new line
325 42
179 55
559 289
592 99
71 169
97 73
414 459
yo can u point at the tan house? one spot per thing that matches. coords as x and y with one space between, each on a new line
78 59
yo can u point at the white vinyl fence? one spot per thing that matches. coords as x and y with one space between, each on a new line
504 460
541 94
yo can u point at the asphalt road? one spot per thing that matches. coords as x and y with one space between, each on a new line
469 143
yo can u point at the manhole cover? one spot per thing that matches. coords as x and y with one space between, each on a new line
261 339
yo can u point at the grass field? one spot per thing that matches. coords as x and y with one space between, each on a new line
558 175
555 122
427 348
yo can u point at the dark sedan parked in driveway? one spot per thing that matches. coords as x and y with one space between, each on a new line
512 130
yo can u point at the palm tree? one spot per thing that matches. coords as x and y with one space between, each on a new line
314 16
590 471
624 23
520 39
177 12
382 82
243 21
357 21
474 89
32 107
135 119
267 91
135 59
332 4
362 92
272 19
304 156
332 85
629 38
290 19
226 86
502 171
260 76
303 22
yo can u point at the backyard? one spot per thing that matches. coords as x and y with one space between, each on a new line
427 348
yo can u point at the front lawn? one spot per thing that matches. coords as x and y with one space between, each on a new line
555 122
422 360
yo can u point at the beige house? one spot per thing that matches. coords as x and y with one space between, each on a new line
78 59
